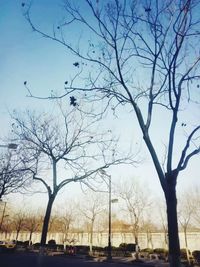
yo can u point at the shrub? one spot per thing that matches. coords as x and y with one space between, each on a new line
19 243
113 248
116 251
26 243
163 253
51 242
98 249
131 247
127 248
147 250
184 253
36 245
160 250
123 245
196 255
81 249
60 247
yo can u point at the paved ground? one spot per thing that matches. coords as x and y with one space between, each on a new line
35 260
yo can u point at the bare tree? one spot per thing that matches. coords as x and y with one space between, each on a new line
66 221
13 174
137 201
91 207
62 149
18 222
164 225
185 215
148 227
32 224
144 54
195 200
7 226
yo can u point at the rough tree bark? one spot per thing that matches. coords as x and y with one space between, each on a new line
171 202
46 220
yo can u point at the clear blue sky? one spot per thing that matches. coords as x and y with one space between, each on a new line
26 56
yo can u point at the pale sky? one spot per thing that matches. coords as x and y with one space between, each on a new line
26 56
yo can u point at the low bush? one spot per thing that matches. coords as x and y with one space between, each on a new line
184 253
60 247
36 245
196 255
81 249
127 249
98 249
160 251
19 243
51 244
26 243
147 250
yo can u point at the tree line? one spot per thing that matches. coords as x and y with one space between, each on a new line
89 214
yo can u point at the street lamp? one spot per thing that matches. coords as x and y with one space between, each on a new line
109 221
103 172
10 146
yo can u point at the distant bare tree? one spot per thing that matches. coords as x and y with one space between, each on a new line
195 200
164 225
186 213
137 201
66 220
32 223
148 227
91 207
7 226
18 222
69 142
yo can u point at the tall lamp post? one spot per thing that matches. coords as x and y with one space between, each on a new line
103 172
109 220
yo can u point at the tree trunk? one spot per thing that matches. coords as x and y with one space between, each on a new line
171 201
91 237
30 237
17 234
166 238
149 240
136 243
46 221
186 245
